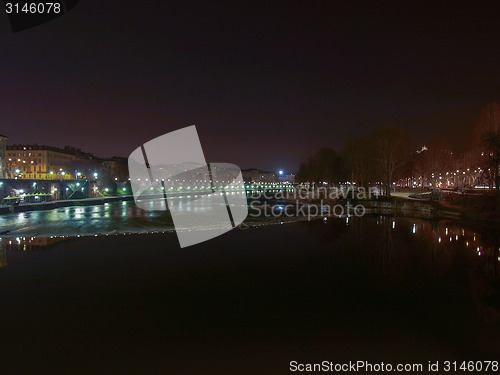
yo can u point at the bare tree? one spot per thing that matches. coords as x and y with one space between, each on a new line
435 161
492 152
358 159
487 141
391 149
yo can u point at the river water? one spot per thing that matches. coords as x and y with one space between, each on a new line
374 288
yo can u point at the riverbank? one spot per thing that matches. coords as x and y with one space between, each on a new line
483 208
63 203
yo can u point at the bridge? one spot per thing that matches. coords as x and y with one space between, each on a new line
41 190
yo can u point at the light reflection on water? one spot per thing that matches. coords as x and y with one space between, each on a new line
382 253
81 220
388 280
26 230
480 241
101 219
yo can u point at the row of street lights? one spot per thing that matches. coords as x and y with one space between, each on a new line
61 172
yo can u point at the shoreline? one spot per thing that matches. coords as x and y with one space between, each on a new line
44 206
386 206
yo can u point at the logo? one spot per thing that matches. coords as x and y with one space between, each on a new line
170 173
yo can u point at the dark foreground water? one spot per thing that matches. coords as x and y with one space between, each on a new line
375 289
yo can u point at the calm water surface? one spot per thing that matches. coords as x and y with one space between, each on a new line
249 302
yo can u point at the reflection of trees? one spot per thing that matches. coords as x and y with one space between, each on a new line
328 232
387 251
488 261
438 255
485 279
435 252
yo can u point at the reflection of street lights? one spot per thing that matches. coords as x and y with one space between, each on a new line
96 174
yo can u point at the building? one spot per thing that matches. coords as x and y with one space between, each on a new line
256 175
117 168
289 178
48 163
3 160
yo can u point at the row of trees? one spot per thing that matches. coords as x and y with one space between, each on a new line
386 156
364 159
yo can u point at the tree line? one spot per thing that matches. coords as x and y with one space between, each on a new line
385 156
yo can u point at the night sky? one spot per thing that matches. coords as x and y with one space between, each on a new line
266 83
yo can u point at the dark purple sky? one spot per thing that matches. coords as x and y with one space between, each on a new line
266 83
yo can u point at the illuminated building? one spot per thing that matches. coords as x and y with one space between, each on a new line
117 168
48 163
3 161
256 175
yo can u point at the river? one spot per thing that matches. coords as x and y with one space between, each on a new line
373 288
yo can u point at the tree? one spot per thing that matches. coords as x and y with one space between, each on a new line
434 161
391 150
323 166
491 144
358 159
487 135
